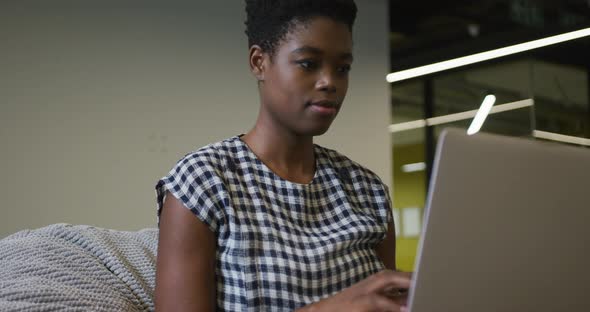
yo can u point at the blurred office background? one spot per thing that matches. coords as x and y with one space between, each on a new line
99 99
545 92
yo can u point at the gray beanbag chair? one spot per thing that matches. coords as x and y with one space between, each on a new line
65 267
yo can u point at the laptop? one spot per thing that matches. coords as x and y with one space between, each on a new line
506 227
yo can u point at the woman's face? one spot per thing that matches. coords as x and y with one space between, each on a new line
304 84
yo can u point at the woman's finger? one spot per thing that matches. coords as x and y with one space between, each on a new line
382 303
388 279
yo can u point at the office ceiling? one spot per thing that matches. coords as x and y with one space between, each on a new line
425 32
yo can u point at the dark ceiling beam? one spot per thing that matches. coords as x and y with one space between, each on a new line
570 53
428 32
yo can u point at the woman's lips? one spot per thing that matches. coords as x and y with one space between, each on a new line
324 107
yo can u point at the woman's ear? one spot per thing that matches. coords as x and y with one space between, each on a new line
257 62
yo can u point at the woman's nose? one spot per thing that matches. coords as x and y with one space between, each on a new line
326 81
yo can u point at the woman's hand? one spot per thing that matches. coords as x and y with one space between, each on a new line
383 291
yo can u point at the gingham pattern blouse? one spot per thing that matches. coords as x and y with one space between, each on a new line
282 245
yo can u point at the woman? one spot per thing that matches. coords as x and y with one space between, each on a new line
268 221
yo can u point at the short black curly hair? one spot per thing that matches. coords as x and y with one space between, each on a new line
269 21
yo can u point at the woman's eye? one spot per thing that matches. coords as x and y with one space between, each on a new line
344 69
307 64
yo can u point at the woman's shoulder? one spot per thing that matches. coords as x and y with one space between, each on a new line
213 156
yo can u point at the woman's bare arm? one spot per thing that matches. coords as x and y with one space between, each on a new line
386 249
185 269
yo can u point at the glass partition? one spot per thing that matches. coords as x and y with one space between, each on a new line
535 98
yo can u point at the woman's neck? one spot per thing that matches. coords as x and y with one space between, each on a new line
288 155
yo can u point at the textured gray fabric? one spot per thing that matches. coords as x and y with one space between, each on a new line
65 267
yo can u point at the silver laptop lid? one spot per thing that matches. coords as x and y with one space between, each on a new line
506 227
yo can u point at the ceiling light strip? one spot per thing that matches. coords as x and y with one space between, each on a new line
512 106
420 123
561 138
403 126
484 56
414 167
482 114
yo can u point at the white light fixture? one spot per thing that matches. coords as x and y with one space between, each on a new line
409 125
482 114
484 56
415 167
561 138
420 123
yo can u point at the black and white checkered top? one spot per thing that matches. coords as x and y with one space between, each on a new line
282 245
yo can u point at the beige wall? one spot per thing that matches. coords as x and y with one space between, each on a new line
97 103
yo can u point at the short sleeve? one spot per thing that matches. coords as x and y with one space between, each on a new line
382 201
197 183
388 205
